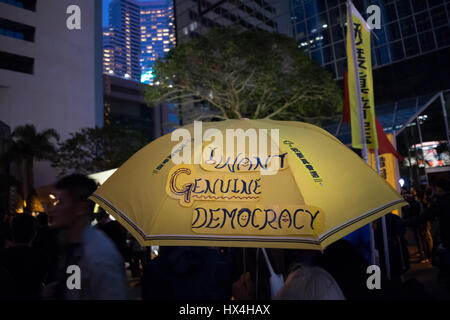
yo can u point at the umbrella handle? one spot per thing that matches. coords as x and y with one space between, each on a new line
269 265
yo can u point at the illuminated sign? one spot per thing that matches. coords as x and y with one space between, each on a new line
147 77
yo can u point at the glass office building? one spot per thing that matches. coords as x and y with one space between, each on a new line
408 28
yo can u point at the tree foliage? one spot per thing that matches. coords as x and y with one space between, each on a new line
252 74
93 150
24 146
26 143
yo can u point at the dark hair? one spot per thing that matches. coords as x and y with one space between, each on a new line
42 219
444 184
23 228
79 186
102 213
420 195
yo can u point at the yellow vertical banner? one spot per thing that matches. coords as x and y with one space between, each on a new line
359 57
388 167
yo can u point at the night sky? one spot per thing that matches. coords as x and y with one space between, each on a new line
105 4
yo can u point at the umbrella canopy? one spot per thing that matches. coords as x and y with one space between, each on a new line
307 193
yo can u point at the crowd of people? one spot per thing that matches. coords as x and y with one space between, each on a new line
36 255
427 215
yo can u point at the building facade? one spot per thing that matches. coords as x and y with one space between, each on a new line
157 34
122 45
410 29
50 76
124 106
195 17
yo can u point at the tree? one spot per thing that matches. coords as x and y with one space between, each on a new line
252 74
25 145
98 149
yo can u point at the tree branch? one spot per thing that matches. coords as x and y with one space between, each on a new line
210 116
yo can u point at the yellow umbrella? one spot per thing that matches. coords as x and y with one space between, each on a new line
320 191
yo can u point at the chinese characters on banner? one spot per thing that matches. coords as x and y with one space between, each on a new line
360 55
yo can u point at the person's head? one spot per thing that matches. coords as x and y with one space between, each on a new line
405 193
102 216
42 219
442 187
23 229
72 205
429 191
420 195
310 283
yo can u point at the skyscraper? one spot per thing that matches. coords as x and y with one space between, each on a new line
157 34
123 40
137 35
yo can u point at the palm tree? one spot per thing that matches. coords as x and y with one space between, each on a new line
25 145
